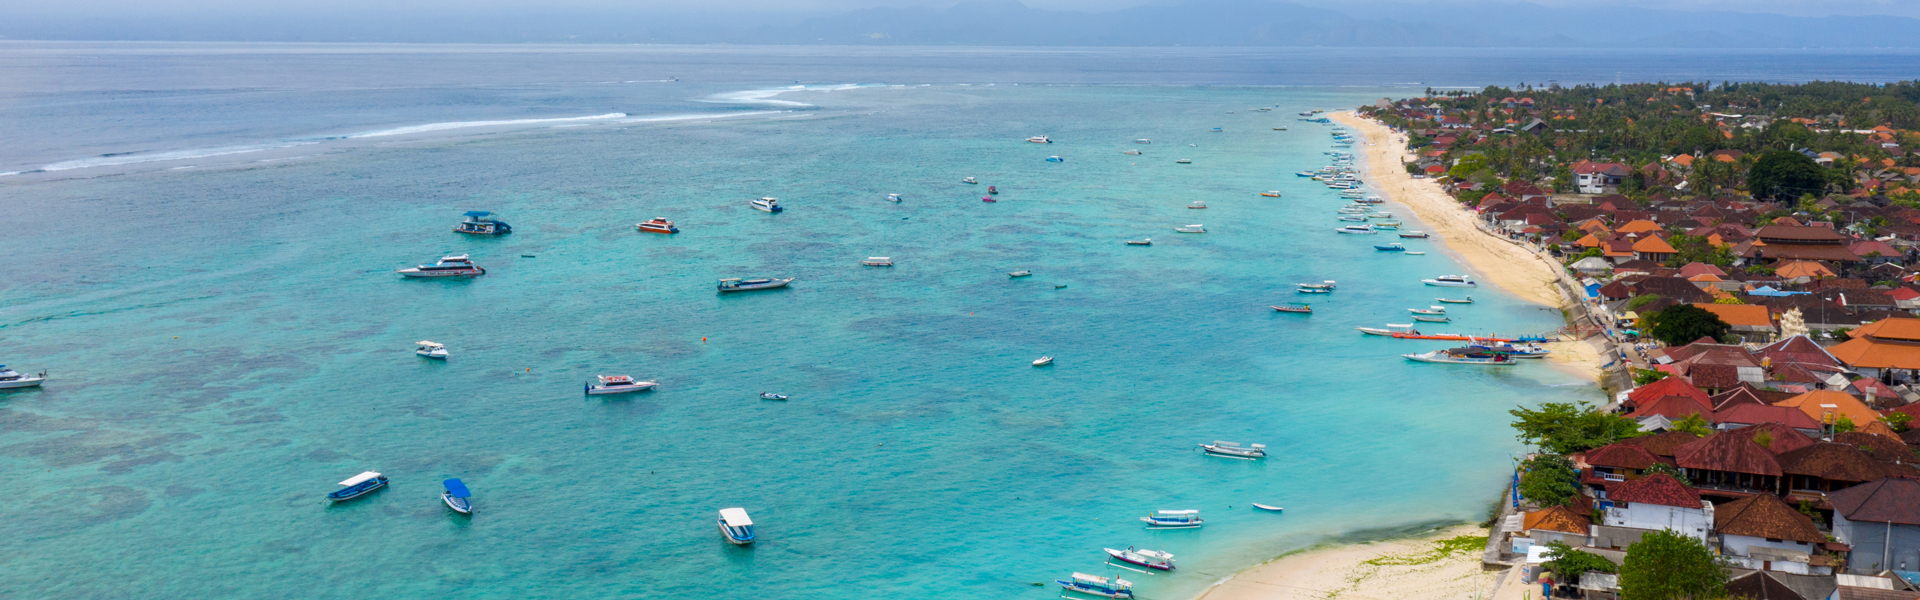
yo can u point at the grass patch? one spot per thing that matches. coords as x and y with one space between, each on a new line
1443 549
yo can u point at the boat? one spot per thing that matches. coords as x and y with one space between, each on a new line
1414 253
480 222
1359 229
1233 450
893 197
1152 559
1387 225
1305 173
772 396
1194 228
618 384
1055 159
1116 587
1196 204
10 379
1143 141
747 285
1520 351
1296 307
1040 139
1391 330
1434 310
1448 357
1390 248
1019 273
448 266
993 191
1433 318
1353 218
357 486
1266 508
1380 215
768 204
1324 285
1173 519
658 225
1130 152
736 526
1279 129
1308 290
456 496
1216 130
1145 242
1450 281
877 261
1414 234
987 199
1467 300
1271 193
1043 361
430 349
1183 161
970 180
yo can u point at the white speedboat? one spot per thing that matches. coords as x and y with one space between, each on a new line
767 204
430 349
1392 329
1360 229
1019 273
1233 450
735 284
772 396
1354 218
877 261
1194 228
1130 152
1196 204
1183 161
1145 242
619 384
1431 310
1043 361
1040 139
1324 285
1450 281
1143 141
10 379
970 180
1173 519
736 526
1266 508
1151 559
893 197
449 266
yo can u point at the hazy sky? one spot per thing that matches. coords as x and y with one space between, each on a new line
1909 8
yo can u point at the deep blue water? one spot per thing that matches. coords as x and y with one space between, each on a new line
200 240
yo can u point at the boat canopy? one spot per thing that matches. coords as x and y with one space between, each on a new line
1090 578
1176 512
615 379
735 517
1400 325
478 214
427 343
361 478
458 489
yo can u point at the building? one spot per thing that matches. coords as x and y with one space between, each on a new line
1826 406
1887 350
1750 321
1761 532
1658 501
1789 242
1880 520
1598 178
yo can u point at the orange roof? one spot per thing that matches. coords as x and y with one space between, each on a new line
1902 329
1589 241
1639 226
1816 403
1558 518
1740 315
1653 245
1802 268
1705 277
1684 160
1595 226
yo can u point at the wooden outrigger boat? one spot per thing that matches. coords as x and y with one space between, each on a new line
1297 307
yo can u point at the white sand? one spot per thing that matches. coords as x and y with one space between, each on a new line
1345 573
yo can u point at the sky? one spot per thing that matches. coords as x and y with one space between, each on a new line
1910 8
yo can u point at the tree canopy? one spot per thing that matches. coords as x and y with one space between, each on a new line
1785 174
1549 480
1569 563
1668 565
1565 428
1681 324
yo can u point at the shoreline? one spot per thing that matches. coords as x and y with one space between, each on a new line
1499 261
1403 567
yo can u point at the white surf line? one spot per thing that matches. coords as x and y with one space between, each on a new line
767 96
131 159
431 127
668 118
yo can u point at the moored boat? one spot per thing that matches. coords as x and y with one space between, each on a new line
1466 300
1450 281
430 349
1145 242
448 266
1196 204
10 379
1449 357
1431 310
1433 318
1143 141
658 225
1130 152
1356 229
1040 139
1055 159
772 396
970 180
1043 361
1414 234
1391 330
1324 285
1295 307
767 204
1267 508
736 526
877 261
736 284
357 486
1390 248
1387 225
1183 161
1173 519
1233 450
1152 559
618 384
1019 273
456 496
1271 193
893 197
1194 228
1353 218
1117 588
480 222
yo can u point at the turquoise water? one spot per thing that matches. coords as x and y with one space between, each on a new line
229 340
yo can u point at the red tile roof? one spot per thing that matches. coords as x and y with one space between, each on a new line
1832 461
1621 456
1671 386
1558 518
1658 488
1879 447
1727 451
1755 414
1884 501
1663 444
1765 516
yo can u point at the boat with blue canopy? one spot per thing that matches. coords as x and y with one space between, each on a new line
480 222
357 486
456 496
1097 586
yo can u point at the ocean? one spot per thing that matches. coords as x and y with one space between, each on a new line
201 242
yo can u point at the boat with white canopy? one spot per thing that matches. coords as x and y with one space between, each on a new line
10 379
1173 519
1233 450
736 526
1152 559
1391 329
1098 586
747 285
430 349
448 266
618 384
357 486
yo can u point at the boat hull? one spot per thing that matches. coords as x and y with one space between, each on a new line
771 285
728 535
593 390
1437 283
436 354
1123 556
358 491
459 505
419 274
24 382
1268 508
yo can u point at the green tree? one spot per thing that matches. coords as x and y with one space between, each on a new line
1646 376
1671 471
1668 565
1898 421
1842 424
1467 166
1565 428
1641 300
1681 324
1549 480
1694 424
1568 562
1785 174
1693 249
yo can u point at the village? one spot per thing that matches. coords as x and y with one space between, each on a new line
1744 252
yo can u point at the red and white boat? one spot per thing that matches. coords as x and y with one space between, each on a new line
658 225
1152 559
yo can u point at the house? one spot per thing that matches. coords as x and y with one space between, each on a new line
1824 467
1619 462
1598 178
1888 350
1750 322
1827 406
1756 415
1556 524
1787 242
1880 520
1802 271
1658 501
1729 461
1761 585
1761 532
1652 248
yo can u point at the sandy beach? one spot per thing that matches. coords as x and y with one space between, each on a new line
1407 569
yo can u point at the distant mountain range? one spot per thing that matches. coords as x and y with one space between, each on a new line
1011 23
